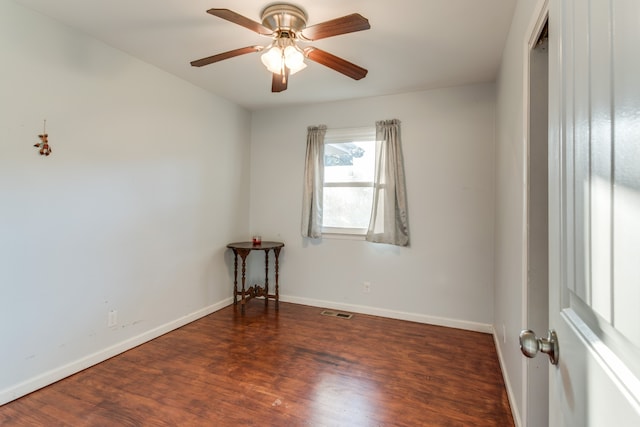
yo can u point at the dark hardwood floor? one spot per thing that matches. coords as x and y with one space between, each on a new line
294 367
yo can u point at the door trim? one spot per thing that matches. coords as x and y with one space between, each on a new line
540 17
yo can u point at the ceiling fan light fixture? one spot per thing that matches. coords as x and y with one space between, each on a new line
277 57
294 59
272 59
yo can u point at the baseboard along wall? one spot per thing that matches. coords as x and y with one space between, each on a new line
76 366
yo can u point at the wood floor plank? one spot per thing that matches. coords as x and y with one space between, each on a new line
291 367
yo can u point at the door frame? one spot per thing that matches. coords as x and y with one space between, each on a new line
540 17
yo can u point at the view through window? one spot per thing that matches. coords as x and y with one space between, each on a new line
349 166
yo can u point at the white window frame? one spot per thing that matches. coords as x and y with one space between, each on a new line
333 136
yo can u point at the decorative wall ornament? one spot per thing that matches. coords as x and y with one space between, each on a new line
43 145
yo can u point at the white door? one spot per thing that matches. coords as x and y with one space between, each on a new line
594 212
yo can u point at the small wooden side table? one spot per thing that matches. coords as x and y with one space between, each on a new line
246 294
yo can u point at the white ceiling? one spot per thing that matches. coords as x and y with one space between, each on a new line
412 44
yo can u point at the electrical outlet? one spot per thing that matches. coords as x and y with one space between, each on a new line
366 287
112 319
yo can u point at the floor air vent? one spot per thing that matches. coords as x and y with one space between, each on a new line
336 314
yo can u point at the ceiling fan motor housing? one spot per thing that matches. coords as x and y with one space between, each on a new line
284 17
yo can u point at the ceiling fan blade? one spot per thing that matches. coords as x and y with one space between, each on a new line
278 83
225 55
335 27
236 18
336 63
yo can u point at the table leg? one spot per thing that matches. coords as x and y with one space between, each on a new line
276 251
243 255
266 277
235 278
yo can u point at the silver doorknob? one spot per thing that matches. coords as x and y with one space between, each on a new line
530 345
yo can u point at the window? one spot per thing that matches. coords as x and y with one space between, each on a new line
365 174
349 167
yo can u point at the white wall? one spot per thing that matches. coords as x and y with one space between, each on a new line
446 276
510 198
146 184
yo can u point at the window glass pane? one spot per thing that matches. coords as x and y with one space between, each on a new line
349 161
347 207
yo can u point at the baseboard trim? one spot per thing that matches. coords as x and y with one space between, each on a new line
392 314
515 411
50 377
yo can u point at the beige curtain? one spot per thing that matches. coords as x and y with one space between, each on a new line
389 220
313 182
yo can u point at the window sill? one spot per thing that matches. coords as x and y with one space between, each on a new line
343 236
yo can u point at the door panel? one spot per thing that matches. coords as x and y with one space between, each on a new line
599 228
626 206
595 212
580 128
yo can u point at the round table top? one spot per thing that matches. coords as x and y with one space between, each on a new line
251 246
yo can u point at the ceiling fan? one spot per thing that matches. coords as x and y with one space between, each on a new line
286 24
